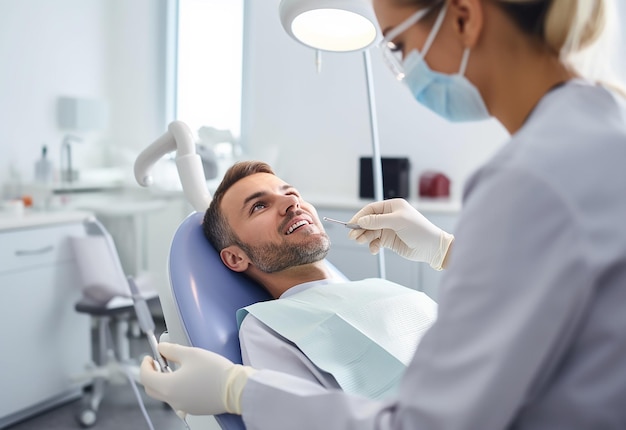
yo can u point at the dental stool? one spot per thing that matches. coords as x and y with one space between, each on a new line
107 300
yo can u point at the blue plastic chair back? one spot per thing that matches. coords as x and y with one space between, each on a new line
207 295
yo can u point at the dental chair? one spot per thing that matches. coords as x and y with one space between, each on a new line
206 296
107 300
203 296
200 304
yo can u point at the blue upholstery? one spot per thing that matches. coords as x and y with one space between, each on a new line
207 294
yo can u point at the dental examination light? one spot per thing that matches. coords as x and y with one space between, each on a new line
340 26
179 138
329 25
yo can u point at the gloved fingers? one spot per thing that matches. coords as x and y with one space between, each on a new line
355 234
384 238
172 351
372 208
375 247
147 365
361 236
151 378
365 236
379 221
368 236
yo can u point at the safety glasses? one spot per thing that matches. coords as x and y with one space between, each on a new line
392 54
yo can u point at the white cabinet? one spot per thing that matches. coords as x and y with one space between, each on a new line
45 342
356 262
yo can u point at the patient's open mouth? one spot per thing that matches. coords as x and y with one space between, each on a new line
296 226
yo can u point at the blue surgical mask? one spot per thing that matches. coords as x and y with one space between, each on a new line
453 97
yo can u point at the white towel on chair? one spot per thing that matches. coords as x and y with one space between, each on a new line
101 273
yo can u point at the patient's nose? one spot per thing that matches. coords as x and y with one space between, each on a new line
290 203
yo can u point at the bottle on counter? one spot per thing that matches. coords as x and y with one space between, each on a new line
43 167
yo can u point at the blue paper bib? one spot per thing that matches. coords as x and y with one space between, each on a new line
364 333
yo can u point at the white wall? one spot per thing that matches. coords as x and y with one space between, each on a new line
313 128
135 73
111 50
47 49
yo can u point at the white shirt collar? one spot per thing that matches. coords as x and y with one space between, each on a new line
305 286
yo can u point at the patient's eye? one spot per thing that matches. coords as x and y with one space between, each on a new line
257 207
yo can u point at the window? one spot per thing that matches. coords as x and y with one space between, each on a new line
208 61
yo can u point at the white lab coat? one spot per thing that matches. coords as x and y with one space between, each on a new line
531 331
263 348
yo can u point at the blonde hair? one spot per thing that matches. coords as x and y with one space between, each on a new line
582 33
573 25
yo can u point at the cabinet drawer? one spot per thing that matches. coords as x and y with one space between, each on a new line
20 249
50 339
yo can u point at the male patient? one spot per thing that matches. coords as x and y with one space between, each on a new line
357 336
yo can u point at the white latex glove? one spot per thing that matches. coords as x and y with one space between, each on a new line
205 383
397 225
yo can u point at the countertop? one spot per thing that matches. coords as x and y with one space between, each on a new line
29 219
124 208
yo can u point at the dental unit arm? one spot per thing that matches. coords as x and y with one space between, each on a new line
179 138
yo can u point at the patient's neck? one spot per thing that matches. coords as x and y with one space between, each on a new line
279 282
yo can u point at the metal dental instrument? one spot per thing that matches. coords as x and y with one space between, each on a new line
345 224
146 323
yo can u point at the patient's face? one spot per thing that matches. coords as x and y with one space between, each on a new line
277 229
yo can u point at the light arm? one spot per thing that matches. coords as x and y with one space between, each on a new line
178 137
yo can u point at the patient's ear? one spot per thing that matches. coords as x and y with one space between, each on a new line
234 258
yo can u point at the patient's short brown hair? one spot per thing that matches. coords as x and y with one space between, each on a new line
215 225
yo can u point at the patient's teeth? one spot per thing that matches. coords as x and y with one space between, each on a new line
296 225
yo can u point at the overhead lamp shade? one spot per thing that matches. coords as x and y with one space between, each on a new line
330 25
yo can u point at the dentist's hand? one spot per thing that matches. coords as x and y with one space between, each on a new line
205 384
397 225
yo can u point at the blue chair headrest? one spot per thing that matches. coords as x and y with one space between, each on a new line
208 294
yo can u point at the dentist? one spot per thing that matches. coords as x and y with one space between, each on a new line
531 332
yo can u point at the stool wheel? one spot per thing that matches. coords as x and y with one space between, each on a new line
86 418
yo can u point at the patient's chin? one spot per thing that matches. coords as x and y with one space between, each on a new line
276 258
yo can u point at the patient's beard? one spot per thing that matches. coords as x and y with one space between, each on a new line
273 258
